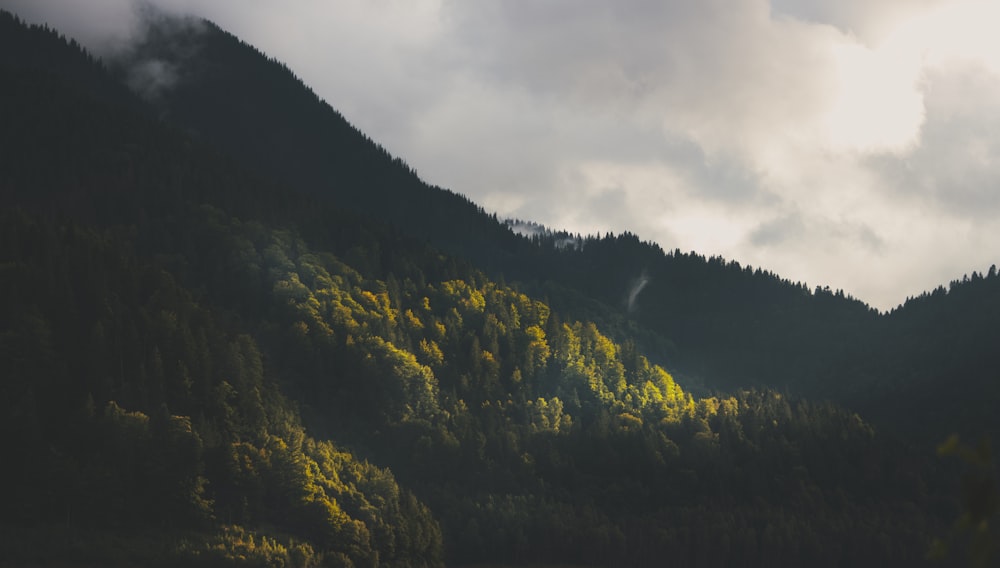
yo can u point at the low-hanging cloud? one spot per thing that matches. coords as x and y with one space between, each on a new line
637 286
844 143
151 77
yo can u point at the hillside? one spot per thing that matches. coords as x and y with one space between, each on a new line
718 324
280 128
209 365
233 97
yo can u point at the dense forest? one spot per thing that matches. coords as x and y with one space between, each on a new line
265 342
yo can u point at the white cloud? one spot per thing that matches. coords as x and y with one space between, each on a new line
876 106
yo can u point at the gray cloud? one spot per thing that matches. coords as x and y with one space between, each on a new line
793 230
778 231
957 168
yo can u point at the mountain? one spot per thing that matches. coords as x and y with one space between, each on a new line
229 94
216 354
719 324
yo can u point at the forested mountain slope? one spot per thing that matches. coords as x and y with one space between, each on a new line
719 324
144 423
938 363
204 366
229 94
732 324
133 409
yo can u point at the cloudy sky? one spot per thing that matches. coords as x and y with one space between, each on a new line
846 143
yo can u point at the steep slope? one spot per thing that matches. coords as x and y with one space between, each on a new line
231 95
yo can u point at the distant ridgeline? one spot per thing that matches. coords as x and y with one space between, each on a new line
204 365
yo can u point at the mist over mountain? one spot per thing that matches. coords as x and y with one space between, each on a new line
237 331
